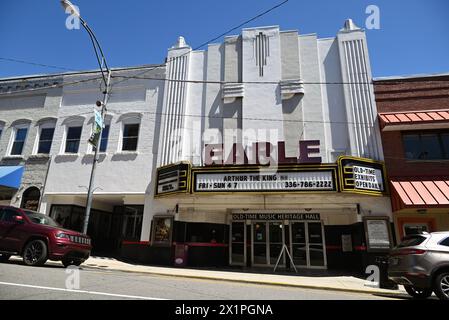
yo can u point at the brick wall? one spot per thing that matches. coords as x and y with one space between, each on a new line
416 94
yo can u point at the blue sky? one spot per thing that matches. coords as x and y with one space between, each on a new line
413 36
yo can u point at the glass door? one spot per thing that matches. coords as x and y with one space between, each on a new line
238 247
316 248
298 243
276 241
260 248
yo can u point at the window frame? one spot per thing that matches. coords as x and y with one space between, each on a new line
66 133
12 140
91 149
51 124
420 133
129 119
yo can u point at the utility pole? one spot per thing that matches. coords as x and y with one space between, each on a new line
70 8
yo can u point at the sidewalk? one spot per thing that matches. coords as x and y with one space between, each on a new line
338 283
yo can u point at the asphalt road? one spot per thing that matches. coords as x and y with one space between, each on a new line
20 282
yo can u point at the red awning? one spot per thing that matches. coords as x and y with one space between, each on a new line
390 120
420 193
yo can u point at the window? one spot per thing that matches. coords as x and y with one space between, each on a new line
72 143
412 240
45 140
432 145
20 134
104 139
130 137
7 215
30 199
132 222
445 242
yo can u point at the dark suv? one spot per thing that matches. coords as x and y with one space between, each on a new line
36 237
421 264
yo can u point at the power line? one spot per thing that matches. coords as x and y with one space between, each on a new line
211 40
36 64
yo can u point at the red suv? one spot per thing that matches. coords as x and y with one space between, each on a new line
37 237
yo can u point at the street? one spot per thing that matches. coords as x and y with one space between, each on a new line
21 282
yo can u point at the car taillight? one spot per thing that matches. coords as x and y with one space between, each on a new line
404 252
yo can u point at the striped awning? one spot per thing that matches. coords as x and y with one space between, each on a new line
420 193
390 121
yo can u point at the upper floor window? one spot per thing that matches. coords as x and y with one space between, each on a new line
45 140
130 136
104 138
426 145
44 136
72 142
20 135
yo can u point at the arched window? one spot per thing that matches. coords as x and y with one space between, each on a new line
30 199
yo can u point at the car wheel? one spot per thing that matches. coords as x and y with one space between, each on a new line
418 293
71 262
4 257
35 253
442 286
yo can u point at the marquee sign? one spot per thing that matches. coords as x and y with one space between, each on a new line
362 175
262 180
173 179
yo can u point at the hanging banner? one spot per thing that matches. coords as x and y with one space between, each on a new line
96 130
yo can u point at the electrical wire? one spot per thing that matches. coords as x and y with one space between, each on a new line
36 64
211 40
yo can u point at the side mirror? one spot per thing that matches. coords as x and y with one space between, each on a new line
18 219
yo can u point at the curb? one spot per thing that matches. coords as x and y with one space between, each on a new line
256 282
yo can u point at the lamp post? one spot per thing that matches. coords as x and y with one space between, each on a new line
69 7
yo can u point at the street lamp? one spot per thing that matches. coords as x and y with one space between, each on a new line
69 7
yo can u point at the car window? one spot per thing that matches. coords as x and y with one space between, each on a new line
8 215
410 241
40 218
445 242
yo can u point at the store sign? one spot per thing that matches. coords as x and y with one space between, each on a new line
276 216
319 180
261 153
362 175
173 178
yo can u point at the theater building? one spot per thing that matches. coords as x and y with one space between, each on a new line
268 142
414 120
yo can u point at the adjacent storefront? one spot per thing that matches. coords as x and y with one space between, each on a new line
414 122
